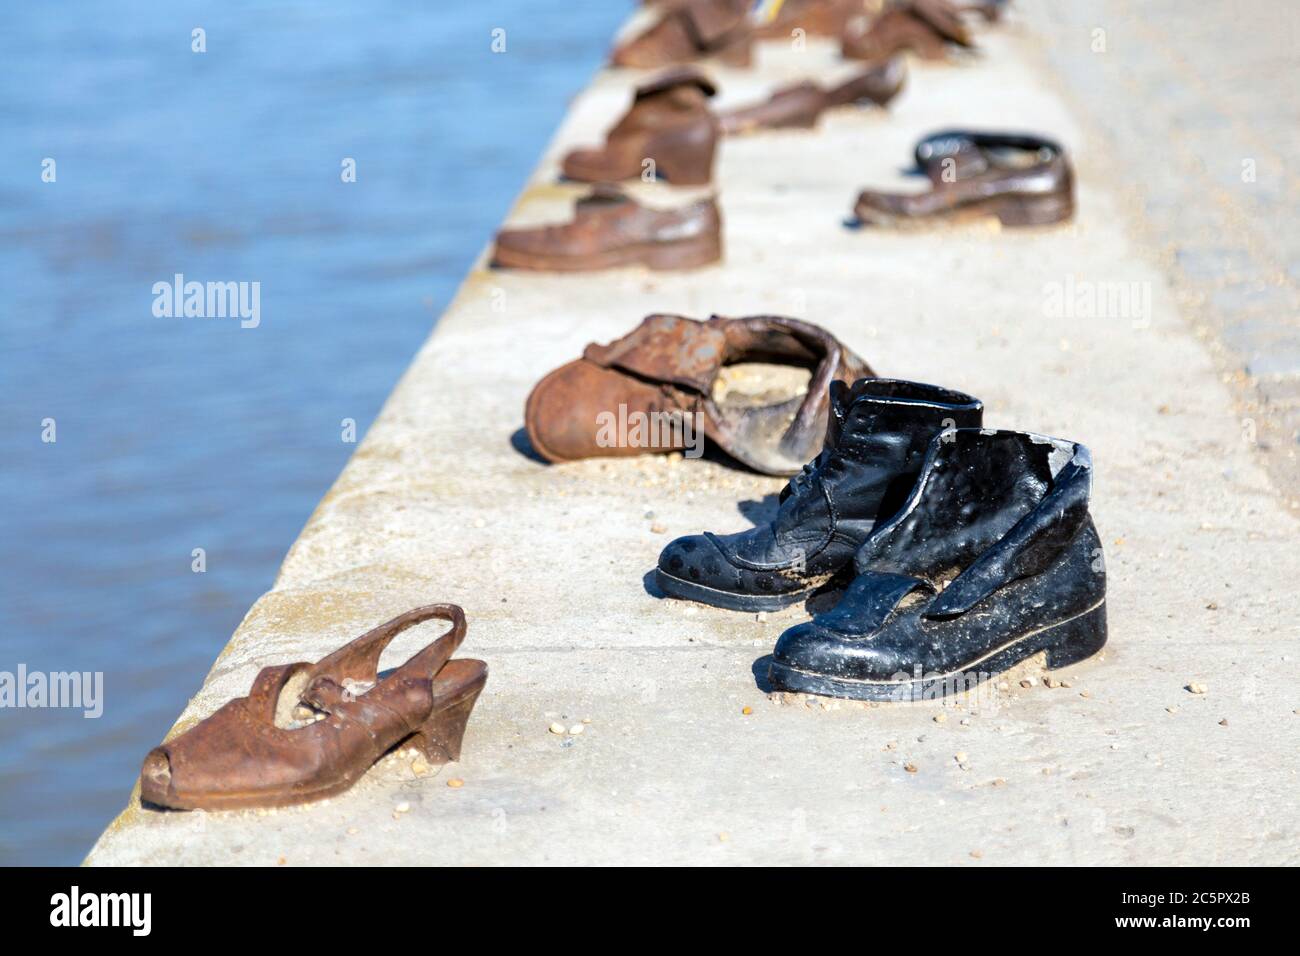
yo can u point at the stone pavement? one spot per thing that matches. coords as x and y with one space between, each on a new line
1199 110
685 758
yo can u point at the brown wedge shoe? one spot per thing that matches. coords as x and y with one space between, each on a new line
1018 179
669 124
609 230
250 754
757 387
801 105
923 27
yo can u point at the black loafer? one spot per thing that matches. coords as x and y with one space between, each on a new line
992 559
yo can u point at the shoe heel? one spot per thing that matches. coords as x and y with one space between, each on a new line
688 254
1033 210
440 737
1077 640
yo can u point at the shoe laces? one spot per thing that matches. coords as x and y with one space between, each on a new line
800 481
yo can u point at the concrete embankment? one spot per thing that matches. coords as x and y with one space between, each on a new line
685 759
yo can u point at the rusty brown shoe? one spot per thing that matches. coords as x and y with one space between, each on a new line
674 381
669 125
691 31
1019 179
802 104
925 28
609 230
253 752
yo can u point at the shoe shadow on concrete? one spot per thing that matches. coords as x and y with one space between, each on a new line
520 443
759 670
652 586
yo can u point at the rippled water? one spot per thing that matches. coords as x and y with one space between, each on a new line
180 433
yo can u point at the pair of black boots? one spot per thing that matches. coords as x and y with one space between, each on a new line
963 550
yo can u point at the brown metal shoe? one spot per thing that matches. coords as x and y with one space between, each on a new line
669 123
923 27
673 381
1018 179
610 229
251 754
801 105
691 31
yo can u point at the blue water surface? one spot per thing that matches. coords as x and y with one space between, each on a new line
180 433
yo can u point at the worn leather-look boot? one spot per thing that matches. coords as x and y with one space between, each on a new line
664 374
875 441
669 123
992 559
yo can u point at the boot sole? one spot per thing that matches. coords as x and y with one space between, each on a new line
685 590
1066 643
1011 211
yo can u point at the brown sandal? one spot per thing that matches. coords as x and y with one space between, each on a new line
249 754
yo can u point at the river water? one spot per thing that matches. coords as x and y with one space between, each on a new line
156 468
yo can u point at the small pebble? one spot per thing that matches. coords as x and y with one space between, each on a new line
1085 694
1223 722
940 718
419 767
999 782
724 837
910 767
960 756
1211 606
977 854
1196 688
403 807
761 617
1026 683
353 831
455 783
892 745
1051 682
577 729
965 721
747 710
658 528
556 728
1003 686
1171 710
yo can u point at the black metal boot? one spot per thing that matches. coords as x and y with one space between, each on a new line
992 559
876 438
